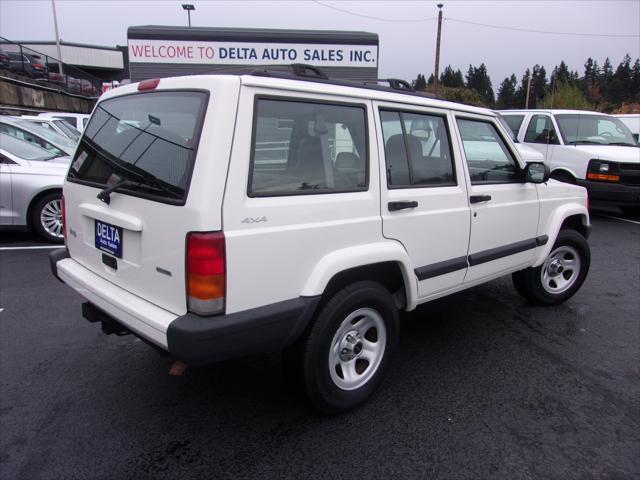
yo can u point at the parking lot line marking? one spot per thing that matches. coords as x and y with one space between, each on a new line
39 247
621 219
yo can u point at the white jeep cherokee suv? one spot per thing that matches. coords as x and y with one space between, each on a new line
221 215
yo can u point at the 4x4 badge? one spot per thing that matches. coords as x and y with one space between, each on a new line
254 220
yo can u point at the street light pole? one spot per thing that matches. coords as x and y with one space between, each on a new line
55 25
437 69
188 7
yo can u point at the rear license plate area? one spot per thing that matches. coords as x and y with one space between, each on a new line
108 238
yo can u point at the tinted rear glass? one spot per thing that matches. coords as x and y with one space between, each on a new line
147 139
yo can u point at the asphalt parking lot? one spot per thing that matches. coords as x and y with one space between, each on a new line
484 386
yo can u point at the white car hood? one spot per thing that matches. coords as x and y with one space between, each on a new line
529 154
614 153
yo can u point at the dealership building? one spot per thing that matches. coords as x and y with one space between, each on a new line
166 51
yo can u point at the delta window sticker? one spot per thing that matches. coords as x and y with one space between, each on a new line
243 53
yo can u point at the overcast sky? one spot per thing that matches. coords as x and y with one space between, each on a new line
407 29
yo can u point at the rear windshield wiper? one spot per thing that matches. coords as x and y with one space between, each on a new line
105 195
149 182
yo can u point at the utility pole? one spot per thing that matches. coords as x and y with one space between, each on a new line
437 69
526 103
55 24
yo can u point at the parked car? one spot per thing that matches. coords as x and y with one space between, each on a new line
591 149
76 120
632 121
45 138
5 61
56 125
31 188
187 227
30 65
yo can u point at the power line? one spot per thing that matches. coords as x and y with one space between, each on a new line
355 14
500 27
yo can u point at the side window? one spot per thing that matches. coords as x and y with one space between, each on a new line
514 122
417 150
304 147
29 137
70 120
488 158
540 130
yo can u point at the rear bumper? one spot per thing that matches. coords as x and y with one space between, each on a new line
612 193
193 339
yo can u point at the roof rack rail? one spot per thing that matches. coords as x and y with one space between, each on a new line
309 73
398 84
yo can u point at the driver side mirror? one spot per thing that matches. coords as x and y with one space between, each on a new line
537 172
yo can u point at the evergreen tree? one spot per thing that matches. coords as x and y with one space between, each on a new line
635 80
521 93
479 80
431 80
420 83
539 85
507 97
561 74
451 78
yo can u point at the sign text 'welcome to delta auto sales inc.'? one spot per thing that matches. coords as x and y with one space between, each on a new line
245 53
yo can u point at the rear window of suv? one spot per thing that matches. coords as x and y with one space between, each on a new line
145 141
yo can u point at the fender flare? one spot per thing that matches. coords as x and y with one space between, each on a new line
565 170
553 224
361 256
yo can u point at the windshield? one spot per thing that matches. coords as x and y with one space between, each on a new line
68 130
579 129
507 127
23 149
146 140
53 137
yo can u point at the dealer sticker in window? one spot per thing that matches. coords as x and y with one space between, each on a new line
109 238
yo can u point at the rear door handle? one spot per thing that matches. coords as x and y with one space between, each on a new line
394 206
479 198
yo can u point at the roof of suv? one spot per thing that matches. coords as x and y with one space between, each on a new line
314 85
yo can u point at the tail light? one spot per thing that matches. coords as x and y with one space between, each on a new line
38 66
206 273
64 220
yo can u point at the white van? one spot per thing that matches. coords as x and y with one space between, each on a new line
220 215
591 149
632 121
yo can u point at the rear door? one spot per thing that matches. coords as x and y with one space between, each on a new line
504 209
424 198
143 147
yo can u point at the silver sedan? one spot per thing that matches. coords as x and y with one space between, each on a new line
31 188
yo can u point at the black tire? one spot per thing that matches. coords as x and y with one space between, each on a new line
563 176
631 210
47 206
311 360
530 282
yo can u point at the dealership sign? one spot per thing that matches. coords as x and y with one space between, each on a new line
245 53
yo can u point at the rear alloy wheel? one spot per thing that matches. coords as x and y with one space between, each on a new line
562 273
346 353
46 217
